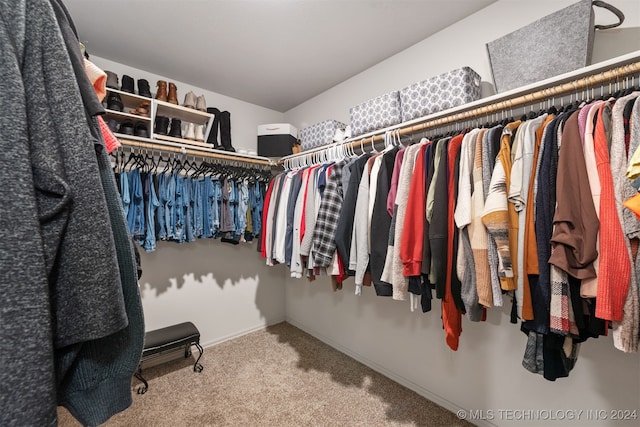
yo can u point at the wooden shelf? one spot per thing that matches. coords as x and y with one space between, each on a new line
126 96
182 141
183 113
118 115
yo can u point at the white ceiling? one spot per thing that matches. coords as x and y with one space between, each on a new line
273 53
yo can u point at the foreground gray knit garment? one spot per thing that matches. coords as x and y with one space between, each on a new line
63 302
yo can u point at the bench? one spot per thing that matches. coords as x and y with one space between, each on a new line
162 340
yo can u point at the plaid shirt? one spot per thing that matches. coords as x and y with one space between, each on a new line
324 233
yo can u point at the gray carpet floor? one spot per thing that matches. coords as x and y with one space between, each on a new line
279 376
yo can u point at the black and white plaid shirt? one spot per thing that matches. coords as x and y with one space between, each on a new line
324 241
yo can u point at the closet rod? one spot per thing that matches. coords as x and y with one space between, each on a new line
193 152
493 104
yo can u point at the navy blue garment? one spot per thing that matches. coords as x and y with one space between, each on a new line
198 207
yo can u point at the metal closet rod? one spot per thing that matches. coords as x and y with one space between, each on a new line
192 152
587 82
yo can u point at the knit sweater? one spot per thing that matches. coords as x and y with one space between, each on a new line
491 146
625 333
411 245
498 215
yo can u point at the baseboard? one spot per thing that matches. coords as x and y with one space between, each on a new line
242 332
387 373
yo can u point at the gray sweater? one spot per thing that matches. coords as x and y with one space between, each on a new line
63 295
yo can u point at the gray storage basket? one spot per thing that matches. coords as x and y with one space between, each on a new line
556 44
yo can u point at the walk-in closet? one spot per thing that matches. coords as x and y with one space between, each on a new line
320 213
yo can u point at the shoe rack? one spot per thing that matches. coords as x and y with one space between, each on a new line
132 101
186 115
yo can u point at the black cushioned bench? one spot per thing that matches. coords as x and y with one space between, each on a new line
162 340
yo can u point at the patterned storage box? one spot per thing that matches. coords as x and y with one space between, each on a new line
319 134
376 113
439 93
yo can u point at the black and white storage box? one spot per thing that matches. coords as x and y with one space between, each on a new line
376 113
319 134
276 139
440 93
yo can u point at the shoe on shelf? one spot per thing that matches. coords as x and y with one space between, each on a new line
213 134
190 100
143 88
201 103
200 133
127 84
172 97
112 80
113 125
161 94
162 125
142 110
225 131
175 131
141 130
114 102
190 133
127 128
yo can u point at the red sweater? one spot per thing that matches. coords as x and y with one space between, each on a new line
615 267
413 230
451 316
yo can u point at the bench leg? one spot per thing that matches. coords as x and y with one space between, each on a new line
197 367
143 388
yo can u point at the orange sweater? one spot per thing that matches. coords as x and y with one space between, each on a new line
413 227
615 266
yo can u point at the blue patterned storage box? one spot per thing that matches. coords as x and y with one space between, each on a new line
319 134
440 93
376 113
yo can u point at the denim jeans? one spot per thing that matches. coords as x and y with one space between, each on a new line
162 198
187 190
198 207
135 216
243 201
179 209
216 206
124 192
152 205
170 207
207 200
255 199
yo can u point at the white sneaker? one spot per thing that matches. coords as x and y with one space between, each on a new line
190 133
199 133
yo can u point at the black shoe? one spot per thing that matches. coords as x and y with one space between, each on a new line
113 125
112 80
127 84
114 102
213 133
225 131
162 125
176 128
127 128
141 130
143 88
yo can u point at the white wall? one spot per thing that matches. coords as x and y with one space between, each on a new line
225 290
245 117
462 44
486 372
